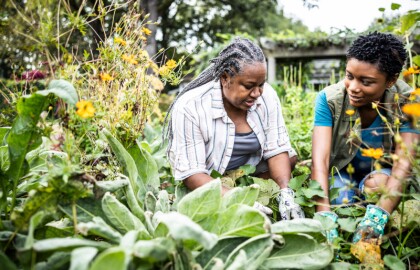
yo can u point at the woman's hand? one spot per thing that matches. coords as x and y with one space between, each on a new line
287 207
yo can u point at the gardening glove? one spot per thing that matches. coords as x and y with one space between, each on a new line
263 209
372 224
287 207
333 233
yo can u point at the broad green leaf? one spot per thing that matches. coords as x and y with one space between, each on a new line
300 252
348 224
111 259
241 195
23 137
239 261
54 244
416 60
241 220
119 215
82 257
207 258
62 89
157 249
6 262
302 225
381 9
163 203
314 189
150 202
129 239
416 196
408 21
146 166
393 262
57 261
3 135
202 201
395 6
296 182
181 227
126 161
268 189
100 228
113 185
33 224
411 214
340 266
257 250
136 190
4 158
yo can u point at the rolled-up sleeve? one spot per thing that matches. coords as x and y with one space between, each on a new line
187 153
277 138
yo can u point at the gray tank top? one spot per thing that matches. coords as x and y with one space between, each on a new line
245 145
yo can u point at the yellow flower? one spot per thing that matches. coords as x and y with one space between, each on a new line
171 64
85 109
412 109
373 153
350 169
164 70
130 59
146 31
374 105
411 70
120 41
350 112
416 92
106 77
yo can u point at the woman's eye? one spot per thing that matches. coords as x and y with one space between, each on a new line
349 76
365 83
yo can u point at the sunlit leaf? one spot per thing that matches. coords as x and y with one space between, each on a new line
223 248
395 6
257 250
303 225
82 257
241 220
54 244
300 252
181 227
110 259
157 249
100 228
202 201
242 195
119 215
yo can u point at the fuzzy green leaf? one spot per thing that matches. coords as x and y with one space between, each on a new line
257 250
81 258
241 195
119 215
241 220
225 246
110 259
54 244
100 228
300 252
302 225
202 201
181 227
157 249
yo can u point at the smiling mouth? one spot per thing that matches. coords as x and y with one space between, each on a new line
355 99
250 103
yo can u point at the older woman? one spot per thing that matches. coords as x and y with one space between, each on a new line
228 117
370 98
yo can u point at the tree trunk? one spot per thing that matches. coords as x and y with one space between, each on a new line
150 7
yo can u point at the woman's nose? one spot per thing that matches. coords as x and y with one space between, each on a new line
354 86
256 92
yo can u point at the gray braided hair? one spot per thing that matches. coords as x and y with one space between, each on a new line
229 60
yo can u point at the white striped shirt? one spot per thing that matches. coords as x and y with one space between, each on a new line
204 135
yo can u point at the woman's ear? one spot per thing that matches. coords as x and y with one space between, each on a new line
392 81
225 79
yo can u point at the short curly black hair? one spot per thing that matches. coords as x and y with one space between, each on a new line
384 50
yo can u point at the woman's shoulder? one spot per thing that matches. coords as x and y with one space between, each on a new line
335 91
